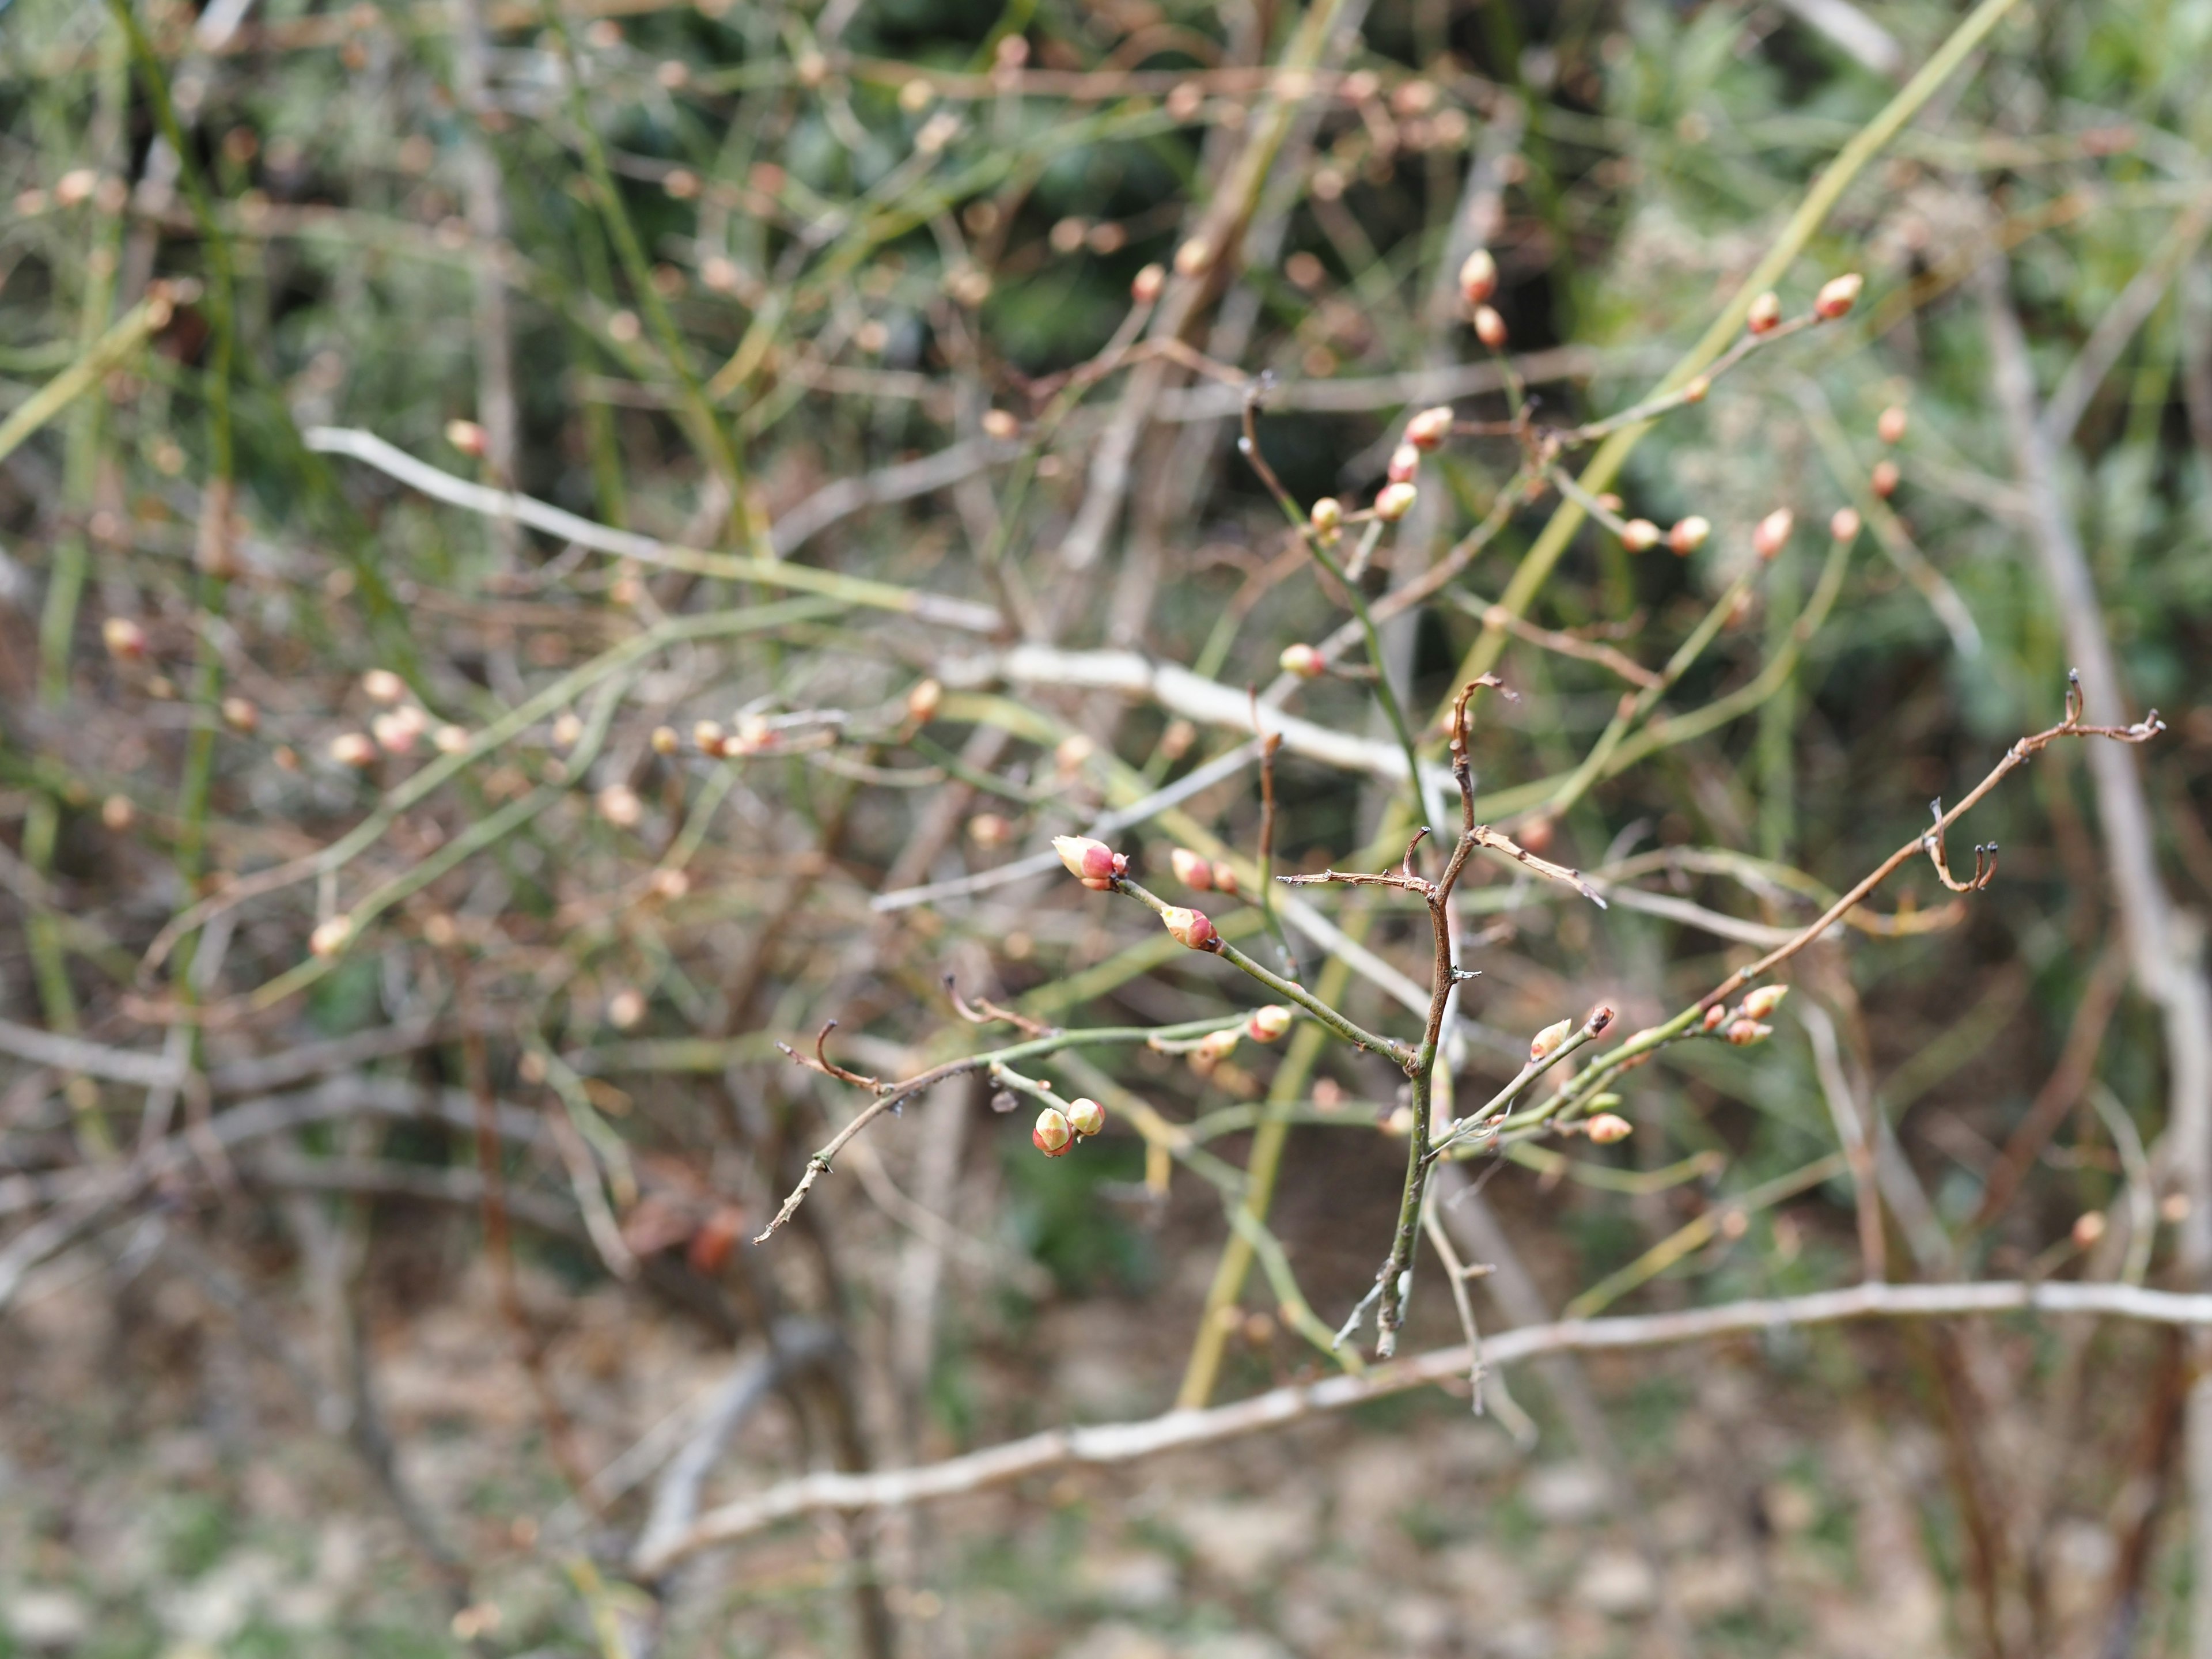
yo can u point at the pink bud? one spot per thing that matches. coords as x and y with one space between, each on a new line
1837 295
1714 1016
1405 462
1053 1135
1772 534
1395 501
1547 1042
922 699
1327 515
1640 535
1303 662
1844 526
1214 1047
1744 1032
382 685
1489 327
1191 870
354 749
1890 428
1266 1024
1189 927
1086 1115
1762 1003
396 729
1885 478
1765 314
1224 876
1093 863
466 436
1146 286
241 714
1608 1127
1478 276
124 640
1687 537
2088 1228
1698 389
1429 428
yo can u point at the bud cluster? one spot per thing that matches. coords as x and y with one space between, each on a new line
1056 1132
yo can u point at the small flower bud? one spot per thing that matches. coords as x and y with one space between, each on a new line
1608 1127
1698 389
1265 1025
1547 1042
1762 1003
1599 1020
1053 1136
665 740
1640 535
1429 428
1093 863
439 930
1843 526
1214 1047
1772 534
1837 295
1885 478
708 734
1765 314
1744 1032
1326 515
626 1008
2088 1228
1145 288
1191 870
988 829
331 937
1489 327
1001 424
1688 536
1405 463
620 806
568 729
1189 927
450 739
396 729
382 685
1714 1016
1086 1115
240 715
354 749
1193 257
466 436
1224 876
1890 426
922 699
1478 277
1395 501
118 813
1303 662
124 640
669 884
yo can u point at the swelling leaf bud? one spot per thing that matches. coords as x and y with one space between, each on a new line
1478 277
1395 501
1772 534
1266 1024
1687 537
1429 428
1608 1127
1762 1003
1053 1135
1489 327
1188 927
1093 863
1765 314
1086 1115
1837 295
1303 662
1191 870
1640 535
1547 1042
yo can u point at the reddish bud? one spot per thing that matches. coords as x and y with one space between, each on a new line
1395 501
1266 1024
1547 1042
1303 661
1765 314
382 685
1188 927
999 424
1714 1016
1053 1135
1191 870
240 715
1478 277
1843 526
1405 462
1608 1127
988 829
2088 1228
1429 428
922 699
1698 389
1490 327
708 734
1772 534
1640 535
1837 295
1762 1003
1890 427
1214 1047
1224 876
396 729
466 436
1093 863
1194 256
1145 288
669 884
1744 1032
118 813
1885 478
1688 536
354 749
124 640
1086 1115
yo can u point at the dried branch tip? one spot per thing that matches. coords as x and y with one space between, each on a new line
1093 863
1189 927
